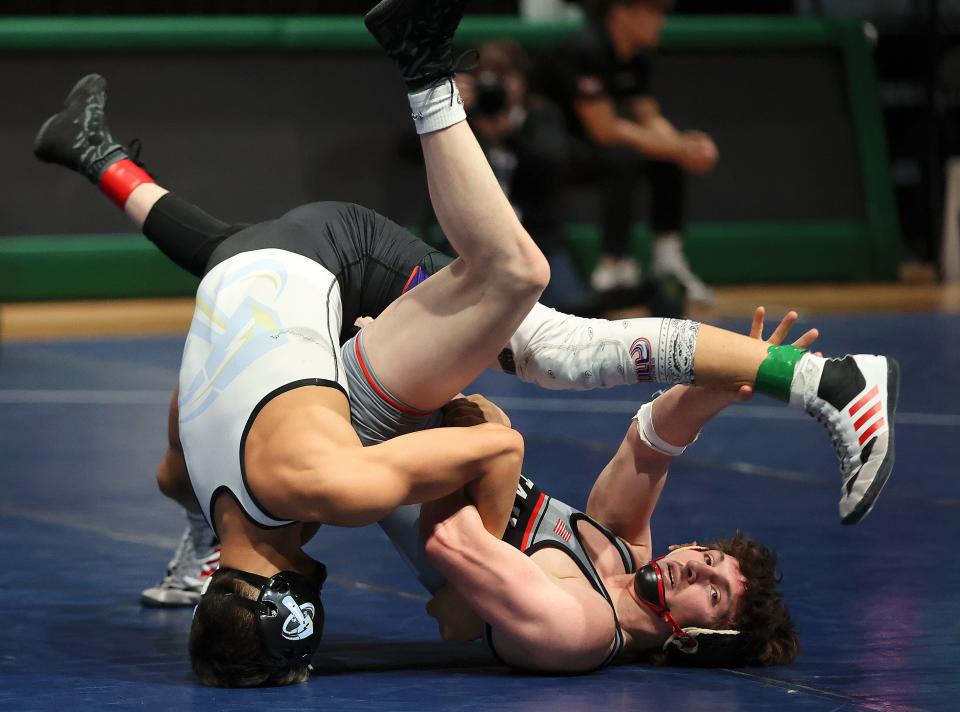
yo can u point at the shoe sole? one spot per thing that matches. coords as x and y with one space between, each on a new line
82 85
41 138
886 467
382 13
149 602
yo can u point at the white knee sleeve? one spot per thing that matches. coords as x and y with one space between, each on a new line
560 351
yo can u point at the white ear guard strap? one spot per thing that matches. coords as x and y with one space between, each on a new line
648 435
695 634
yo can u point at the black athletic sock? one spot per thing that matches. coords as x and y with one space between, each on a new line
185 233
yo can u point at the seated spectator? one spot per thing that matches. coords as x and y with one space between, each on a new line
600 77
526 142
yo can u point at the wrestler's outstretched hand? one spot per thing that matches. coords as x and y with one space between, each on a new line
776 338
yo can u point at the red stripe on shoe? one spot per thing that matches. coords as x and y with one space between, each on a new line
373 384
880 422
866 416
863 401
533 518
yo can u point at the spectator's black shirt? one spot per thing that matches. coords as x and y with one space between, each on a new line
585 66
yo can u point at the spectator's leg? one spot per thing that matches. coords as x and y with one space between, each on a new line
668 199
621 171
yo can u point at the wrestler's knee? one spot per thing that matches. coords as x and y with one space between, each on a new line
522 270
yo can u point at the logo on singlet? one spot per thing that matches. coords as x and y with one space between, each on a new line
642 354
561 531
229 331
524 490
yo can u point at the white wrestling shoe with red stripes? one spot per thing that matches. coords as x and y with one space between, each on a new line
855 398
197 558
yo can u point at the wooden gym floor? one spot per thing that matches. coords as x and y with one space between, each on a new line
134 317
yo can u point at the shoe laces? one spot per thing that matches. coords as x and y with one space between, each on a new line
832 419
93 118
134 148
186 552
467 61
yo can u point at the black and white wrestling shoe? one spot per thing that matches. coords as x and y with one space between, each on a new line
77 136
855 397
418 36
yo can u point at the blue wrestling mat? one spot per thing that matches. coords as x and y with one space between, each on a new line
83 530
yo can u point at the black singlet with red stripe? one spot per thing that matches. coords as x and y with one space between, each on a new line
371 256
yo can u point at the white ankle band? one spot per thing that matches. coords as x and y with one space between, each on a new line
648 435
436 107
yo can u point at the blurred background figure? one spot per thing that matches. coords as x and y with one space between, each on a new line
526 143
600 76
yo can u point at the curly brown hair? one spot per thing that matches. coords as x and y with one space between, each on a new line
763 613
225 647
771 638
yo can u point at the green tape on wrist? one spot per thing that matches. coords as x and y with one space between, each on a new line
776 372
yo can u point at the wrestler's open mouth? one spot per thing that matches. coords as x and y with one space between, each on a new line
673 583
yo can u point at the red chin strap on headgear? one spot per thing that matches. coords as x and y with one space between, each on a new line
649 585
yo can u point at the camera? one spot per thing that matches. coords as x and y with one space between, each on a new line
491 94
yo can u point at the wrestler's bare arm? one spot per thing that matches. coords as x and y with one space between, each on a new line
626 492
172 477
304 462
539 621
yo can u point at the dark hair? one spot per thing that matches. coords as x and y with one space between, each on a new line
225 646
503 56
763 613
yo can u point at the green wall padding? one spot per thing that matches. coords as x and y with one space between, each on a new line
127 266
101 267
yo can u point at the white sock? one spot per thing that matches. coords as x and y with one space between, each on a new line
559 351
436 107
806 379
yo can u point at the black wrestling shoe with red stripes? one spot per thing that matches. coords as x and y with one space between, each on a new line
856 398
77 136
418 36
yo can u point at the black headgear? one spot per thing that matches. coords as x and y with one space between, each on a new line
288 611
700 647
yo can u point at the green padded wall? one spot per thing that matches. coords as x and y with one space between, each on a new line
88 266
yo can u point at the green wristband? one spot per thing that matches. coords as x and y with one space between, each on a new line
776 372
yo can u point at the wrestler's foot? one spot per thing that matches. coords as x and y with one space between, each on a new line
77 136
418 36
195 561
855 398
